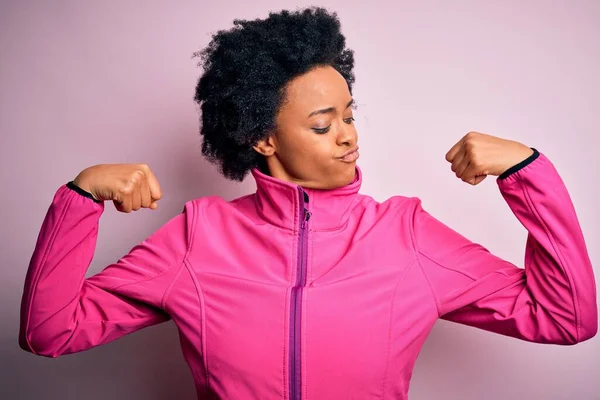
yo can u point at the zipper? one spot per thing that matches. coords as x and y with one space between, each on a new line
295 372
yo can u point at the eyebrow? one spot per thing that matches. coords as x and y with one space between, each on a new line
329 109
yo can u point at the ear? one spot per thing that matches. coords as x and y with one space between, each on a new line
266 146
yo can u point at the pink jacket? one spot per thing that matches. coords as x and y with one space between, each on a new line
292 293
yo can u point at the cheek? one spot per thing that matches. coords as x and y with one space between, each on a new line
322 146
321 153
306 145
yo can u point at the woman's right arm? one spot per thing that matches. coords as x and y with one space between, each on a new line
62 312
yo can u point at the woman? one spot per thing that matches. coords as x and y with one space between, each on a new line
305 289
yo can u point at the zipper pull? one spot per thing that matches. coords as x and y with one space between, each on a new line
307 215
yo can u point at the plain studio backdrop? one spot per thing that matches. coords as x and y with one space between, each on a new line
84 83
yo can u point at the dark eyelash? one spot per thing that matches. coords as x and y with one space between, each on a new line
322 130
326 129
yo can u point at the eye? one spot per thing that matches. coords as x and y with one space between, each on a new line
349 120
322 130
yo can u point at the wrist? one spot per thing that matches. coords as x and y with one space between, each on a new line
82 182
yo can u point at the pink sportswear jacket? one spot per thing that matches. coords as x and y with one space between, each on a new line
293 293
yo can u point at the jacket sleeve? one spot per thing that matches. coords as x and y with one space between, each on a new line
62 312
551 300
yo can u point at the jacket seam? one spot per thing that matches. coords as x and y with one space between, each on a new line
200 212
146 279
445 266
190 228
389 341
201 302
41 267
559 255
417 252
167 292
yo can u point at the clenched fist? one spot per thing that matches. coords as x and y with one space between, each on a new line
477 155
129 186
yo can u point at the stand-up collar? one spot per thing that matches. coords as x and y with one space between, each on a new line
280 202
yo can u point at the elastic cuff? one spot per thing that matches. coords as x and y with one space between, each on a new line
82 192
520 165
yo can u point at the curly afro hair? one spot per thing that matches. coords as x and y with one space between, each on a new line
246 70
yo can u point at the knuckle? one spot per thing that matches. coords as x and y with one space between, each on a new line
137 176
125 189
144 171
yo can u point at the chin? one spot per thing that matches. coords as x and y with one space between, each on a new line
351 173
334 178
344 177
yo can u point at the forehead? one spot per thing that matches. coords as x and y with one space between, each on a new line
319 88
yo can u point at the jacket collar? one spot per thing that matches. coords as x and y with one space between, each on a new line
281 202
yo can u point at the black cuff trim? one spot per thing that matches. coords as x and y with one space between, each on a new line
520 165
82 192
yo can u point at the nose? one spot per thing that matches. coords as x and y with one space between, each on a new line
347 135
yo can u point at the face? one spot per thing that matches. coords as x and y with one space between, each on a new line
314 132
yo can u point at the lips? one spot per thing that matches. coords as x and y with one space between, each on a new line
350 156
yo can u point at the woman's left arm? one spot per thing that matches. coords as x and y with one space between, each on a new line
551 300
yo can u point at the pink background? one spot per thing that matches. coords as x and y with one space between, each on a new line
84 83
